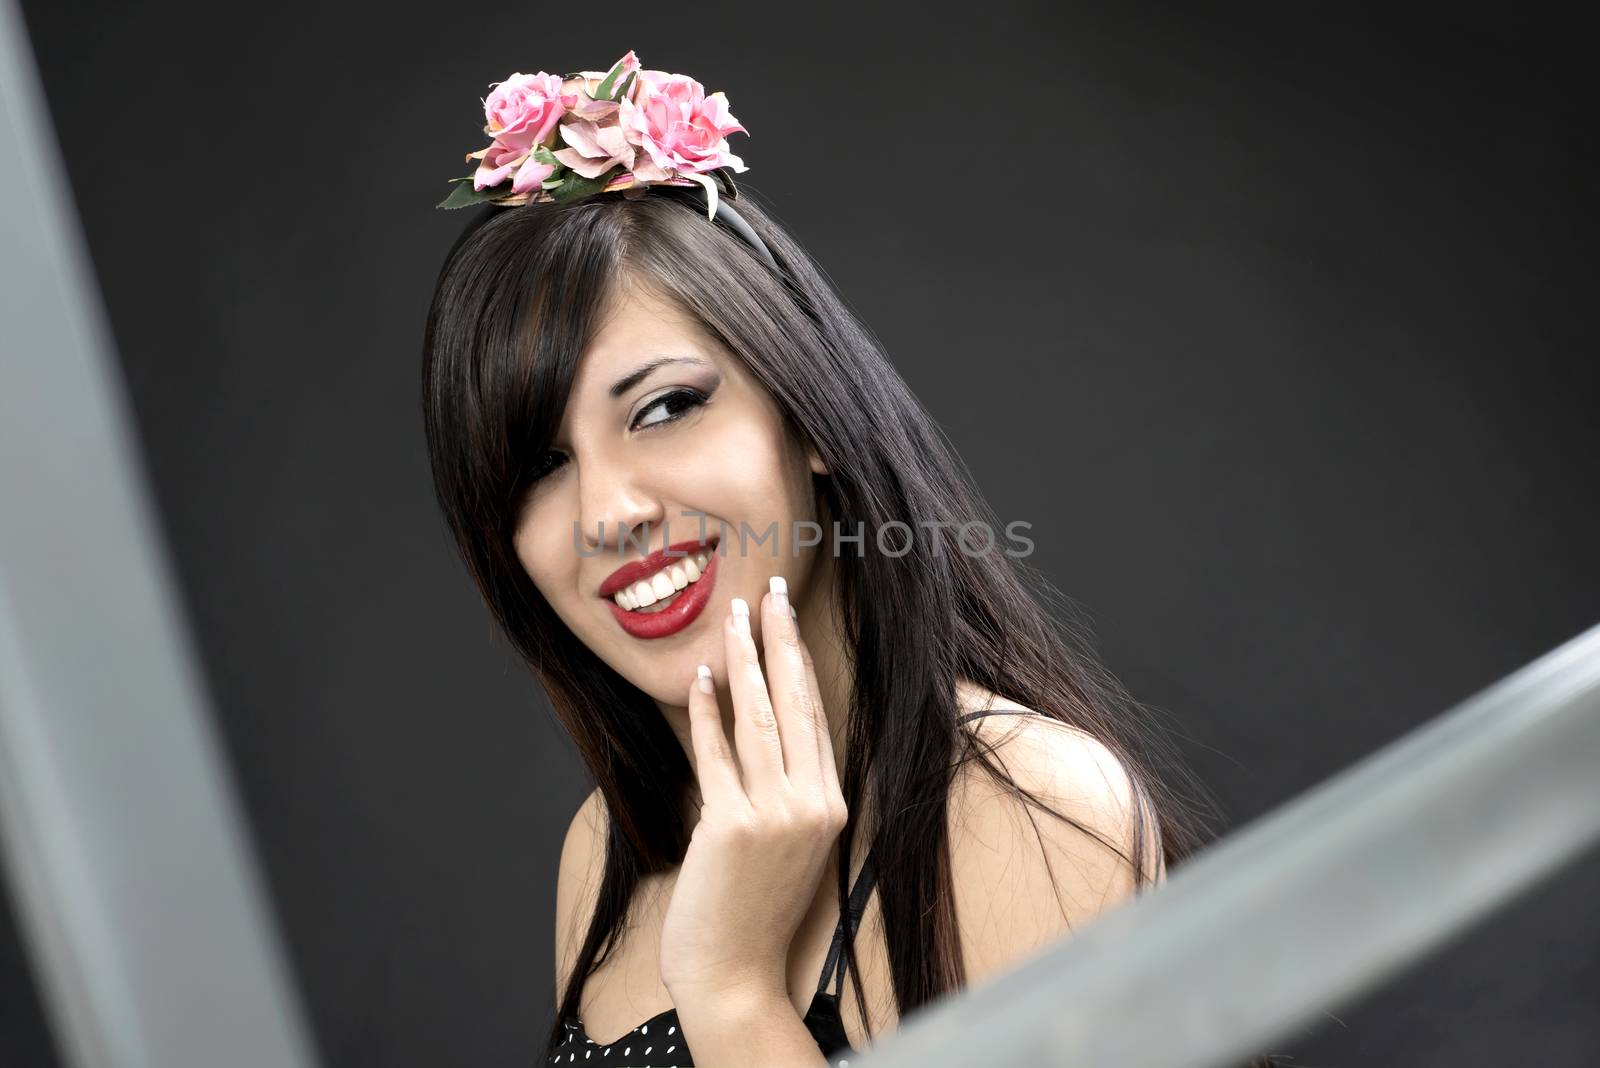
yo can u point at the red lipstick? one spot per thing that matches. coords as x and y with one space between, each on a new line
685 607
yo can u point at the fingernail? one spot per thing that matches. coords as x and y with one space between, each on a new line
780 592
741 616
793 614
704 679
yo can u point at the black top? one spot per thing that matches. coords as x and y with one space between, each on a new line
658 1042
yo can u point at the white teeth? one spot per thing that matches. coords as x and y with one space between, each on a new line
664 583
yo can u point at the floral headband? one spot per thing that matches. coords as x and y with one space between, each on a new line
564 139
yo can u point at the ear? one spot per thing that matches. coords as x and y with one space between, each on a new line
817 466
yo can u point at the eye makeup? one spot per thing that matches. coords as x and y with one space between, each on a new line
662 409
699 381
671 406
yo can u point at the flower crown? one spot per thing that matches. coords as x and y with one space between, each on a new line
564 139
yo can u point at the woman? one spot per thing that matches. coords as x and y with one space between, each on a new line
667 451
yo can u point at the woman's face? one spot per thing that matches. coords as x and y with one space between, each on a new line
665 439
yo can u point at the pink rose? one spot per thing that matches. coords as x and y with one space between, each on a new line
678 127
595 147
500 159
524 109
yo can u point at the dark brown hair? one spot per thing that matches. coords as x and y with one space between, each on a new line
516 303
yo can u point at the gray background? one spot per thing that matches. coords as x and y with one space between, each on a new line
1272 324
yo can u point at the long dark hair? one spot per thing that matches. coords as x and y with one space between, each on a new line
516 304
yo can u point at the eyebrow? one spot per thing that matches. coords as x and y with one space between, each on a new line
639 374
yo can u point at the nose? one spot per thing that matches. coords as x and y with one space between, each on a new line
613 503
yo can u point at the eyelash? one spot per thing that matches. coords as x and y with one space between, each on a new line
695 398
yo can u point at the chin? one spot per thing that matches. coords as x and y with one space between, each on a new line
662 688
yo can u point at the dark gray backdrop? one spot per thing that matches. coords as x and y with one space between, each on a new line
1272 325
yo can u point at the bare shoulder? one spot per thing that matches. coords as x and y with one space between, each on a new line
1024 878
1053 760
578 882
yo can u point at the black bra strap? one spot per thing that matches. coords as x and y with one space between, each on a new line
998 712
865 879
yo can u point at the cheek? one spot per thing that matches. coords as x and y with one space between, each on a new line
759 485
545 549
747 474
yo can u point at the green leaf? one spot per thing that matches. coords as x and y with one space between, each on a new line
627 83
575 186
544 155
603 90
464 196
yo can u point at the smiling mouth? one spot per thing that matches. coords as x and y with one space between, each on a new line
659 591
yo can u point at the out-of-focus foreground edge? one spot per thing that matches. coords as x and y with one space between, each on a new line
140 905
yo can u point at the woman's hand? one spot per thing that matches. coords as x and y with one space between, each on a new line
767 822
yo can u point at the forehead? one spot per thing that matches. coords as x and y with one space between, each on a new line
639 324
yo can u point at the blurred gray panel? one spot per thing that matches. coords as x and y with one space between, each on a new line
135 886
1311 905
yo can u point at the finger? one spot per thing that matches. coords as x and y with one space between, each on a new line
830 769
755 728
792 700
714 766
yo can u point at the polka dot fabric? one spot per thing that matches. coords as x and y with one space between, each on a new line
658 1042
664 1048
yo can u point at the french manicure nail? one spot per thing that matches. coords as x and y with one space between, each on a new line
703 679
780 592
741 616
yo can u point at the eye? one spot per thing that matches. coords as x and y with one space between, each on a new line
545 465
668 407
